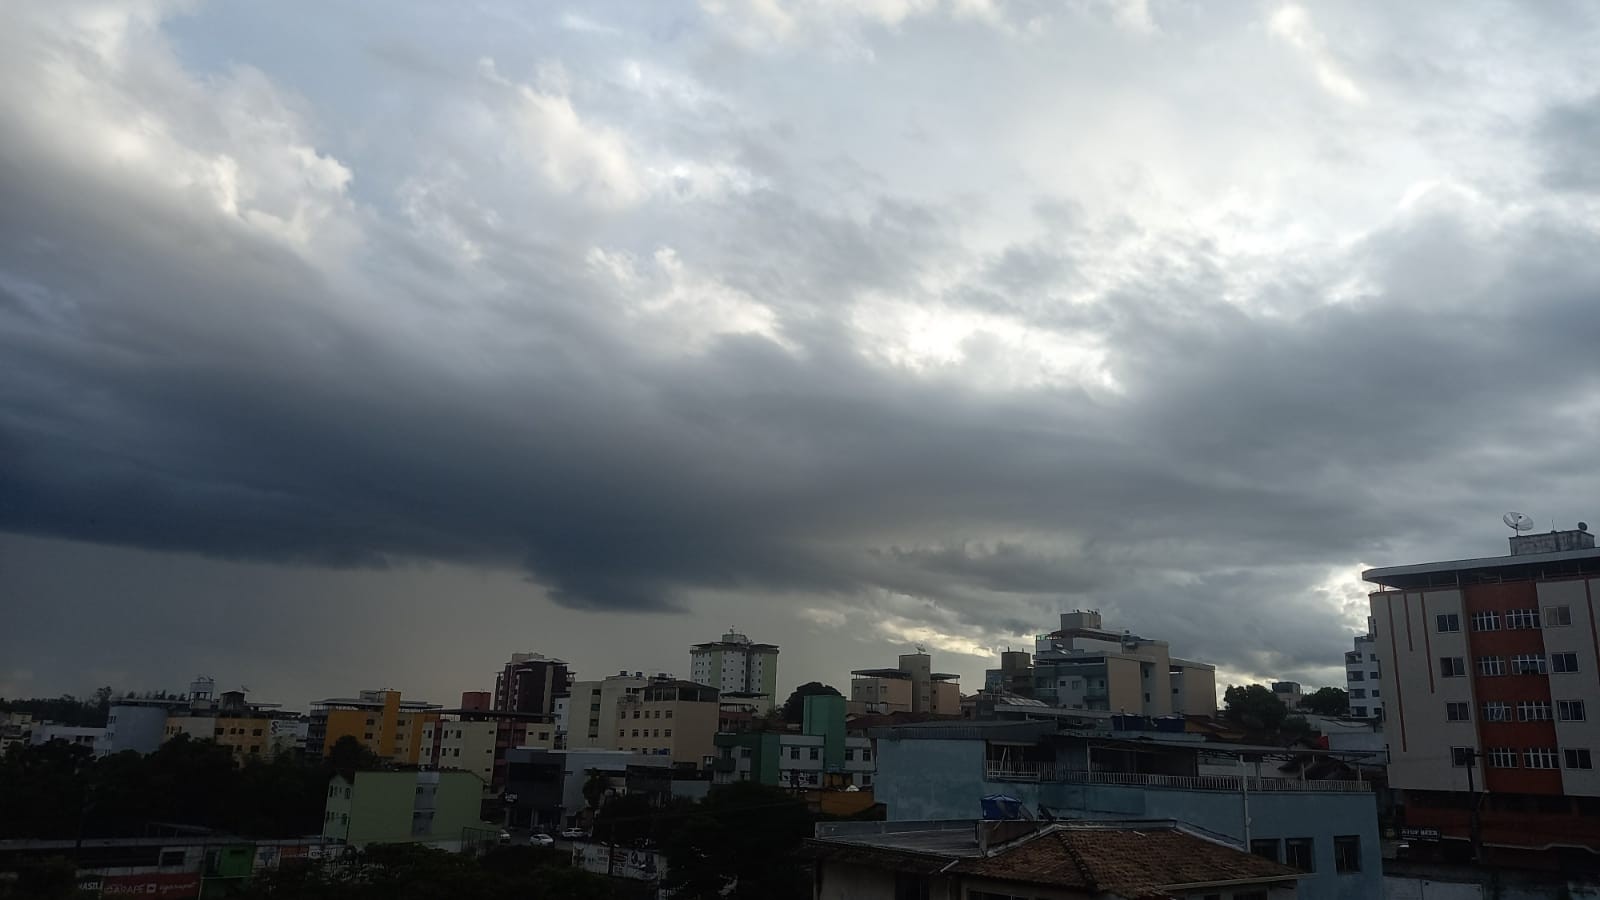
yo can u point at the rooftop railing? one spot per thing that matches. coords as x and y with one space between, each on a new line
1044 772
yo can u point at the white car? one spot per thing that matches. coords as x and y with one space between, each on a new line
541 840
574 834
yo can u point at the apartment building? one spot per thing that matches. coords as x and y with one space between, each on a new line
383 721
911 686
435 808
137 725
823 755
530 683
475 738
1363 678
1082 665
1490 675
243 726
670 717
592 709
738 668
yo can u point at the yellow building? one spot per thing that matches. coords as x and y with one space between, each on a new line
243 727
390 727
670 718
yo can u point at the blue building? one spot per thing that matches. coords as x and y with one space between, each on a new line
1329 829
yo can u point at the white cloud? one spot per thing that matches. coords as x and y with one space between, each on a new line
672 308
1293 25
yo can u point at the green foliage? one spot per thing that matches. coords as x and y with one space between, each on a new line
595 788
65 709
413 872
1297 727
794 709
1254 707
60 791
1328 701
741 841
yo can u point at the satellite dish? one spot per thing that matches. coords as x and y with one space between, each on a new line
1583 526
921 648
1517 522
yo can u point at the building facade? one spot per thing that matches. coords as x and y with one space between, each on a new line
137 725
824 755
382 721
477 739
1363 677
437 808
1491 669
737 668
1084 666
672 718
592 709
529 683
911 686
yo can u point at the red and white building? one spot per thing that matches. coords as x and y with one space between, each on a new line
1491 692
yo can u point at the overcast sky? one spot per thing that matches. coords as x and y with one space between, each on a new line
347 345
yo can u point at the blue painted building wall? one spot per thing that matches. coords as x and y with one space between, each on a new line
943 779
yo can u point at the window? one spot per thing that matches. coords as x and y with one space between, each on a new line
1542 758
255 732
1491 665
1496 711
1564 662
1557 616
655 732
1374 675
1452 667
636 714
1449 622
1461 757
545 735
636 732
1300 853
866 754
1266 848
849 754
669 714
744 752
1570 710
1347 853
666 732
1457 712
1358 694
1374 692
1502 757
622 732
1373 657
1486 621
1528 664
1356 675
794 752
171 858
816 752
1522 618
1359 712
1533 711
1578 758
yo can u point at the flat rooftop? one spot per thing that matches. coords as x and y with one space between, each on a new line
1489 569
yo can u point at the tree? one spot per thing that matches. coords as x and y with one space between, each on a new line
741 841
595 788
794 709
1254 707
1328 701
348 756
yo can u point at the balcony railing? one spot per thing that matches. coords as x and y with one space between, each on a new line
1044 772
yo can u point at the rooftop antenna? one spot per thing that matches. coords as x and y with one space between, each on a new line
921 648
1517 522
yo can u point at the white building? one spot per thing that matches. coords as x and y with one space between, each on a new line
738 668
592 709
1363 679
140 726
80 735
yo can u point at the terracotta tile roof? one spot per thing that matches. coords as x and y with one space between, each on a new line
1123 861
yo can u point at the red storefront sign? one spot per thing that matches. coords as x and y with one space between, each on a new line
172 885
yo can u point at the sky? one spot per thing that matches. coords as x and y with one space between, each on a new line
347 346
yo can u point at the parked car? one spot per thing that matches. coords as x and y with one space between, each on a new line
541 840
574 834
505 836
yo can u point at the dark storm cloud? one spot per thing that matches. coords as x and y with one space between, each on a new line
471 365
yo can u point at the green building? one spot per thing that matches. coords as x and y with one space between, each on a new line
822 755
404 807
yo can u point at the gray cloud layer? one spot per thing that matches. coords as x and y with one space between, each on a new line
625 313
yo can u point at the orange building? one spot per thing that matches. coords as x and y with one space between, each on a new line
383 722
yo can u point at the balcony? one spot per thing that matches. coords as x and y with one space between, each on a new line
1045 772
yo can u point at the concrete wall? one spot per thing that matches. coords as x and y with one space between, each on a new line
134 727
1576 638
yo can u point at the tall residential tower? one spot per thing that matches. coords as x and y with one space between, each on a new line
739 669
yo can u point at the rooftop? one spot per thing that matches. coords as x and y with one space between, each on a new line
1136 859
1456 572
